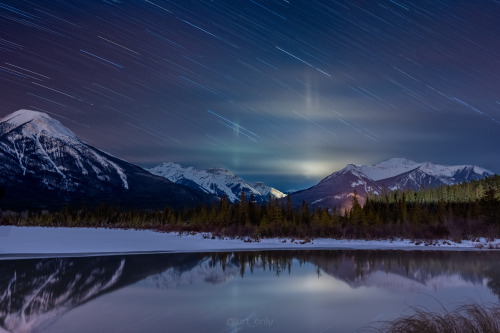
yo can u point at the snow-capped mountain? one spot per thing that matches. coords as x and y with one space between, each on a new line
218 181
44 164
395 174
400 173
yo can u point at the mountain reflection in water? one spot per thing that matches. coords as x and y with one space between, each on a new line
34 293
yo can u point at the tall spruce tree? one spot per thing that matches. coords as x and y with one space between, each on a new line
490 207
357 215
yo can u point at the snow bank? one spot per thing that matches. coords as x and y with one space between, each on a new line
40 242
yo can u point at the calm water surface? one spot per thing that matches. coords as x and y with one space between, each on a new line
276 291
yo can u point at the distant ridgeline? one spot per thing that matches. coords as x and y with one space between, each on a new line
338 189
463 192
45 166
477 200
455 212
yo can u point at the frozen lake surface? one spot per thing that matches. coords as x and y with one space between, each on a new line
37 241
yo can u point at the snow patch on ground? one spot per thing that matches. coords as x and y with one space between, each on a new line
39 242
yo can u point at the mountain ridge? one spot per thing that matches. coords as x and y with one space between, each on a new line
45 165
218 181
338 188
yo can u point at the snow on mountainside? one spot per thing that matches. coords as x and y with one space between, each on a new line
338 188
401 174
44 163
398 166
39 122
34 140
216 181
265 190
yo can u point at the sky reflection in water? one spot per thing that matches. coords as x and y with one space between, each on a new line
314 291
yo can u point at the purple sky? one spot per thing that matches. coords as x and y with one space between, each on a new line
285 92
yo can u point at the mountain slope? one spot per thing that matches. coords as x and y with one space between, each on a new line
216 181
45 165
337 189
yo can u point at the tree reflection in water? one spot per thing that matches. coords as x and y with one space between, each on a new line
35 292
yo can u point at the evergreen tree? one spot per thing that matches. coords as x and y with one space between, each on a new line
305 216
490 207
243 216
357 215
253 210
290 213
224 213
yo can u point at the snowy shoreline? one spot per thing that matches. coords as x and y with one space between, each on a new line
36 242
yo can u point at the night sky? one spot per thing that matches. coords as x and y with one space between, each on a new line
285 92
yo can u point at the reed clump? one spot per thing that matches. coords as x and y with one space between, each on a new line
473 318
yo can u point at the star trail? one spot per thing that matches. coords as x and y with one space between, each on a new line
284 92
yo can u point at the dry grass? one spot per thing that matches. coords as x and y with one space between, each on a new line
465 319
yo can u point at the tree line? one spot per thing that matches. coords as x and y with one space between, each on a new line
454 212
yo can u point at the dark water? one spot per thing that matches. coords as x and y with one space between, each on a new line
272 291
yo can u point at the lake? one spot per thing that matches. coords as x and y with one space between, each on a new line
268 291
